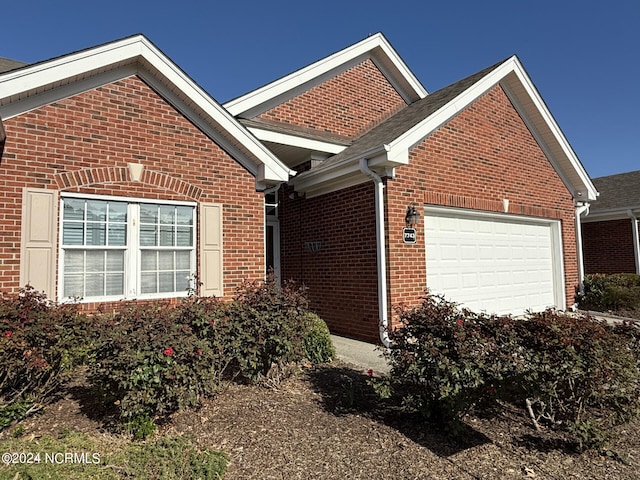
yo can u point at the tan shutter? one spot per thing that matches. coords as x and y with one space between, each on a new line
211 250
38 245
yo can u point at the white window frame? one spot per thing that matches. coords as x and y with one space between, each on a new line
132 256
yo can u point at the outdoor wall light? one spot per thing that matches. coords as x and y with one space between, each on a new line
412 217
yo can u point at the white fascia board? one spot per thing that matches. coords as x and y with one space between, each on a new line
60 72
586 190
612 214
300 77
296 141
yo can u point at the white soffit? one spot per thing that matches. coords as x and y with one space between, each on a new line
375 47
45 82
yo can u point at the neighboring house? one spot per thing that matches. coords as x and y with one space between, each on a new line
121 178
494 183
610 230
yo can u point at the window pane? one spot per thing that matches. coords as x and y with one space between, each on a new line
183 260
114 284
73 209
165 260
117 212
166 236
72 233
148 213
94 285
184 238
148 235
115 260
73 261
182 281
95 261
148 283
166 282
149 260
117 234
167 214
184 215
73 286
96 210
96 234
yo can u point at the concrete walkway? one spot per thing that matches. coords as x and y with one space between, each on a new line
361 354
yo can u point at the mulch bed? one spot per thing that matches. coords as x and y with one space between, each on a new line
324 422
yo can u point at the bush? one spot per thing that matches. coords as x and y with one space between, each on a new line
40 341
611 292
442 361
572 373
150 362
317 345
582 375
263 327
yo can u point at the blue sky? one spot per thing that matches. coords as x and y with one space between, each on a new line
583 56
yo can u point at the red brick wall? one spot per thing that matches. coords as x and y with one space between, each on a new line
481 156
84 143
608 247
347 104
342 275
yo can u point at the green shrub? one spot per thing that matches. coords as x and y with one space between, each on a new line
150 363
582 375
572 373
318 347
263 326
40 341
611 292
442 361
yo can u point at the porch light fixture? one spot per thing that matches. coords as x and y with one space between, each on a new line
412 217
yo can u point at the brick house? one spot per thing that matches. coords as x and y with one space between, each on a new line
610 233
121 178
494 187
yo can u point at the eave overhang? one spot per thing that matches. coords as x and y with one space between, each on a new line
43 83
375 47
524 96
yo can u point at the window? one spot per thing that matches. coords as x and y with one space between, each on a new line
115 248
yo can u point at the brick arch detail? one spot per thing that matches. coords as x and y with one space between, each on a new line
90 176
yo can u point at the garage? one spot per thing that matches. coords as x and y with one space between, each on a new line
495 263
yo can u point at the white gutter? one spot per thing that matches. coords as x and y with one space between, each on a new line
636 241
581 207
383 322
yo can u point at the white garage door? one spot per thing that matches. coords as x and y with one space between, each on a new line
493 263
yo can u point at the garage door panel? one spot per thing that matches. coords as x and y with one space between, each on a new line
489 263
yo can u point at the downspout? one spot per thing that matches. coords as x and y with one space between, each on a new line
636 241
381 257
581 207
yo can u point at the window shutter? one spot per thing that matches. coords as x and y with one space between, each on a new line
211 250
38 245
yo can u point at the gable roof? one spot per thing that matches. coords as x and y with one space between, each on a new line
375 47
45 82
619 196
387 145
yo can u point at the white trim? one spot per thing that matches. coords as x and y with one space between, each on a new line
91 196
45 82
375 47
296 141
132 268
557 253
